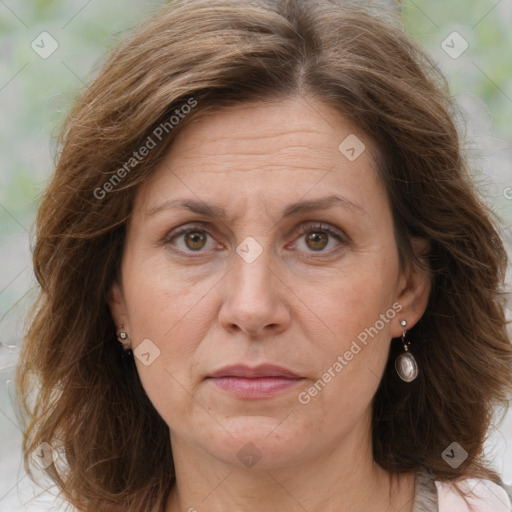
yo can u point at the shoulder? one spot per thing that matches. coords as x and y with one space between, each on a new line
477 495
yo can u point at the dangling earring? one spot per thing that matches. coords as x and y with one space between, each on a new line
405 364
127 351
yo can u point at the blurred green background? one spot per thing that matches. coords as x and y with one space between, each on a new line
36 92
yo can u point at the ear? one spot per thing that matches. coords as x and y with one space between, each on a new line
116 302
414 288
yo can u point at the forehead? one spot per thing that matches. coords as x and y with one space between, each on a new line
280 128
277 150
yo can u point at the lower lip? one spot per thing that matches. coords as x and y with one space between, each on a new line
262 387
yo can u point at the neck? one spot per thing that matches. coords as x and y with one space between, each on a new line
342 477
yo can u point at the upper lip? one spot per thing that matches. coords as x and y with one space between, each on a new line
263 370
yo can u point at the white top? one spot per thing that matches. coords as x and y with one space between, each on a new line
480 495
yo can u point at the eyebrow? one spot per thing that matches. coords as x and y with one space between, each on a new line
294 209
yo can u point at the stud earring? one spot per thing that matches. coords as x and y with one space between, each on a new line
405 364
122 337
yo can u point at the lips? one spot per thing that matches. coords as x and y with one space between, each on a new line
264 381
264 370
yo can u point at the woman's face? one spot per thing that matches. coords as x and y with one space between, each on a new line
290 260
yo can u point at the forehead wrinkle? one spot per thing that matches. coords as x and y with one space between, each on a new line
294 157
253 169
259 152
203 134
268 133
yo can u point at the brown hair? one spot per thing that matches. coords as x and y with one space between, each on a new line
207 54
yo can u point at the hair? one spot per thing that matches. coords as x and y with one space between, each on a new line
74 392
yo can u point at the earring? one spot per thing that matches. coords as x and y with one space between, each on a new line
405 364
122 336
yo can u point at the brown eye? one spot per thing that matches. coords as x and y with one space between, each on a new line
191 239
320 238
317 240
195 240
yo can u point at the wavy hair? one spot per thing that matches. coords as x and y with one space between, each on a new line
73 391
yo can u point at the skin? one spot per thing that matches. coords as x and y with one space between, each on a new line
300 305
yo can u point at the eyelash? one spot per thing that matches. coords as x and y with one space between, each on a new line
305 228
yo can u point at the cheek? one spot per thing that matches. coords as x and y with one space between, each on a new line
353 358
161 296
358 309
355 301
170 309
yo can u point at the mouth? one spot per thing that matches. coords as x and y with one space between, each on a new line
264 381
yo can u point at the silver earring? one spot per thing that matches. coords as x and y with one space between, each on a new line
122 337
126 354
405 364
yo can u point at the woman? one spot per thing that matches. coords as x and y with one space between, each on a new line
267 281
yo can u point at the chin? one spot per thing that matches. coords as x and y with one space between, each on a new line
259 442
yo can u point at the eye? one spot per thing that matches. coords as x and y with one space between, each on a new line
189 239
319 236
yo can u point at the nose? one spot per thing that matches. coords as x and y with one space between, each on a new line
255 299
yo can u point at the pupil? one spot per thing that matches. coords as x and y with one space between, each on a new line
316 238
195 238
